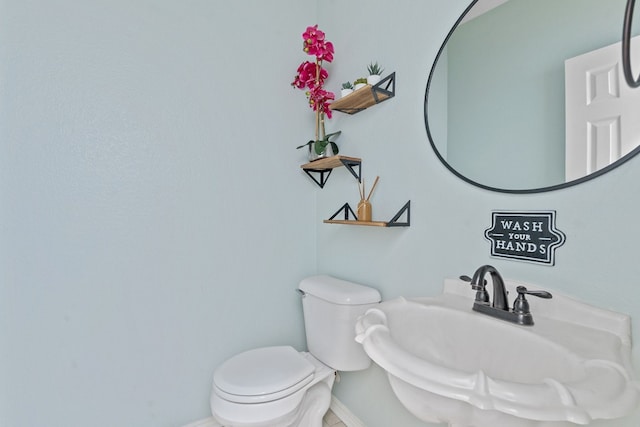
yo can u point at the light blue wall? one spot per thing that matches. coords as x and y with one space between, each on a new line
597 264
154 219
153 216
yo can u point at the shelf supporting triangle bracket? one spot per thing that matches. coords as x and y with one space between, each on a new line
321 172
346 210
389 89
405 209
350 165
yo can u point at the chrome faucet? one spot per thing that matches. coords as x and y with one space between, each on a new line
520 313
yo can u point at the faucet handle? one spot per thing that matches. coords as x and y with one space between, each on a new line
482 296
521 305
540 294
466 278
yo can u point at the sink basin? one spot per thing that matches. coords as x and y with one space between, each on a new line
447 363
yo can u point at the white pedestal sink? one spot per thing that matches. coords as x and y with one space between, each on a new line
447 363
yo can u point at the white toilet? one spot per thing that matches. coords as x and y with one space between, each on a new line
281 387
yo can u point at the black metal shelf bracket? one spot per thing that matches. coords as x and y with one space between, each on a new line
390 81
345 210
350 165
405 209
323 175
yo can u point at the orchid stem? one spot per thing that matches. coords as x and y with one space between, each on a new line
319 114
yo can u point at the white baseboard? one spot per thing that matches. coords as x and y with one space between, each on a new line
345 414
207 422
337 407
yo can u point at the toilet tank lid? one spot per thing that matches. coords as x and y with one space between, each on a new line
339 291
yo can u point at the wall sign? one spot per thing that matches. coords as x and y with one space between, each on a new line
526 236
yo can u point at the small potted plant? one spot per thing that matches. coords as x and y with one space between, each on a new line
347 88
320 148
360 83
375 73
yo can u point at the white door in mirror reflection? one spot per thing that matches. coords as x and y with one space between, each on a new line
602 111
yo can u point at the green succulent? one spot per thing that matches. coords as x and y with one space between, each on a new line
360 80
347 85
375 69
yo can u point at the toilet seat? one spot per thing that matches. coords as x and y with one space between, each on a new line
262 375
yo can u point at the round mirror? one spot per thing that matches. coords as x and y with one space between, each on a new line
529 95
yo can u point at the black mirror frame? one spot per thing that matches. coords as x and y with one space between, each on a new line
626 45
589 177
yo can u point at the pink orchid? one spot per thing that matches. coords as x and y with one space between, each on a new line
313 35
312 76
315 44
308 75
319 100
322 51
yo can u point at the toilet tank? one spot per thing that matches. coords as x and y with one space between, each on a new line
331 307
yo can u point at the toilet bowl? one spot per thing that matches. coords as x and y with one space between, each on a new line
266 387
279 386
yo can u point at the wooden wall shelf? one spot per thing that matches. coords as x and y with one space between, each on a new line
356 222
393 222
323 167
367 96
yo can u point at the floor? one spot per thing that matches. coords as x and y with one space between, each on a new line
331 420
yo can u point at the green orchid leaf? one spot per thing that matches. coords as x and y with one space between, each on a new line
329 135
320 146
304 145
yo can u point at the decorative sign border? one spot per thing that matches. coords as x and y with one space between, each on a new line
529 236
